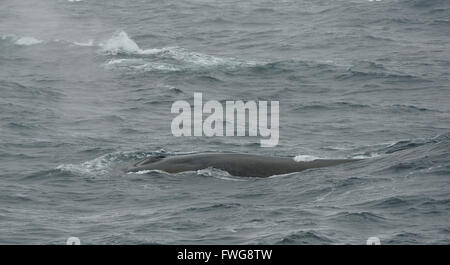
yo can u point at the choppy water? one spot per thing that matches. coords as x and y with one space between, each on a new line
86 89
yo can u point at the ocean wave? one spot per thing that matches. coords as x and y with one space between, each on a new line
167 59
410 108
340 105
120 43
214 207
200 59
443 22
18 90
305 158
404 238
435 204
353 73
441 141
98 166
417 157
390 202
403 145
140 65
350 106
21 41
219 174
144 172
305 237
297 69
425 3
372 70
102 165
27 41
366 155
88 43
357 217
210 171
206 172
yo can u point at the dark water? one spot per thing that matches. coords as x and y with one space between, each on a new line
86 89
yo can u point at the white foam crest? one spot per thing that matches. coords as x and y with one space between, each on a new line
88 43
125 62
98 166
305 158
141 65
282 175
120 43
155 66
21 41
217 173
369 155
143 172
230 178
168 59
210 172
195 58
27 41
201 60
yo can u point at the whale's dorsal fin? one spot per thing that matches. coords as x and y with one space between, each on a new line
151 159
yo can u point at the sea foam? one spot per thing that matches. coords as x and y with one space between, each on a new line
168 59
21 41
305 158
27 41
120 43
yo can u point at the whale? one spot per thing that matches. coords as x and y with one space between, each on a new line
236 164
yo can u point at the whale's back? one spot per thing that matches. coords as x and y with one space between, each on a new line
242 165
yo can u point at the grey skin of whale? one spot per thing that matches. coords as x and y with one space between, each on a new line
242 165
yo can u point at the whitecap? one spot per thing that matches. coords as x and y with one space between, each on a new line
368 155
217 173
143 172
155 66
141 65
27 41
99 166
120 43
305 158
179 58
21 40
125 61
210 172
199 60
282 175
88 43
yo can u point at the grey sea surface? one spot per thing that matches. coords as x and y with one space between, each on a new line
86 89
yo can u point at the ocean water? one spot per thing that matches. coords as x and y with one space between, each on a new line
86 90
